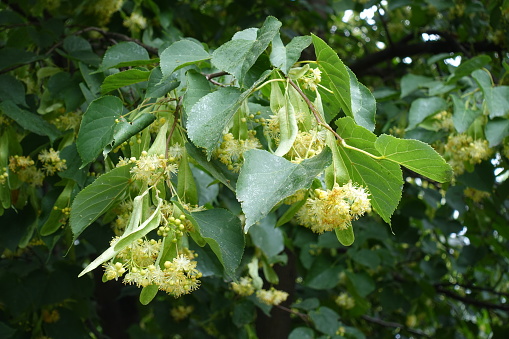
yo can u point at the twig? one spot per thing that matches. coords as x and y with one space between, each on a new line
210 77
394 325
470 301
303 316
119 36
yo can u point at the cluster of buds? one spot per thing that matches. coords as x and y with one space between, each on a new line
245 287
181 312
334 209
25 168
51 162
345 301
151 168
306 145
311 79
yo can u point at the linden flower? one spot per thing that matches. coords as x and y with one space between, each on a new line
181 312
135 22
306 145
345 301
463 149
334 208
51 161
244 287
113 270
312 79
272 296
231 150
151 167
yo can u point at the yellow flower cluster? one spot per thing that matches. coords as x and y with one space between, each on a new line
4 176
244 287
135 22
306 145
177 277
463 150
69 120
272 296
231 150
123 213
335 208
151 168
51 162
104 9
345 301
181 312
476 195
312 79
25 168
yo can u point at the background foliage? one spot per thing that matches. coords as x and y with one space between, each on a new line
438 72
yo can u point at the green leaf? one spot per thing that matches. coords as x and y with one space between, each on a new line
73 162
157 88
56 217
325 320
414 155
422 108
288 128
365 257
125 54
148 293
223 233
212 113
266 179
284 57
411 82
267 237
382 177
12 89
363 103
98 126
186 185
467 67
463 117
238 56
180 54
126 129
496 130
81 50
197 87
362 283
29 121
125 78
98 197
496 97
345 237
335 77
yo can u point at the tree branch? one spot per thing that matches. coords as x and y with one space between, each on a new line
384 323
478 303
119 36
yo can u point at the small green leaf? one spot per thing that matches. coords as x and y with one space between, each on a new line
267 237
223 233
212 113
97 127
288 128
325 320
467 67
180 54
463 117
148 293
414 155
157 88
363 103
423 108
496 97
284 57
411 82
345 237
125 78
98 197
266 179
29 121
124 54
56 217
238 56
126 129
81 50
12 89
186 185
197 87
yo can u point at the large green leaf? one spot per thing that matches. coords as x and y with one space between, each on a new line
180 54
382 177
223 233
197 87
411 82
467 67
283 57
422 108
267 237
157 88
124 54
266 179
238 56
415 155
209 116
126 129
496 130
12 89
98 197
98 126
125 78
29 121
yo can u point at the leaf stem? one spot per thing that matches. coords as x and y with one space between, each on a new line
266 83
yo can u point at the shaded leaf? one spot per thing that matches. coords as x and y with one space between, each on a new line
411 82
463 117
267 237
467 67
124 54
422 108
98 197
124 78
157 88
496 130
283 57
363 103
